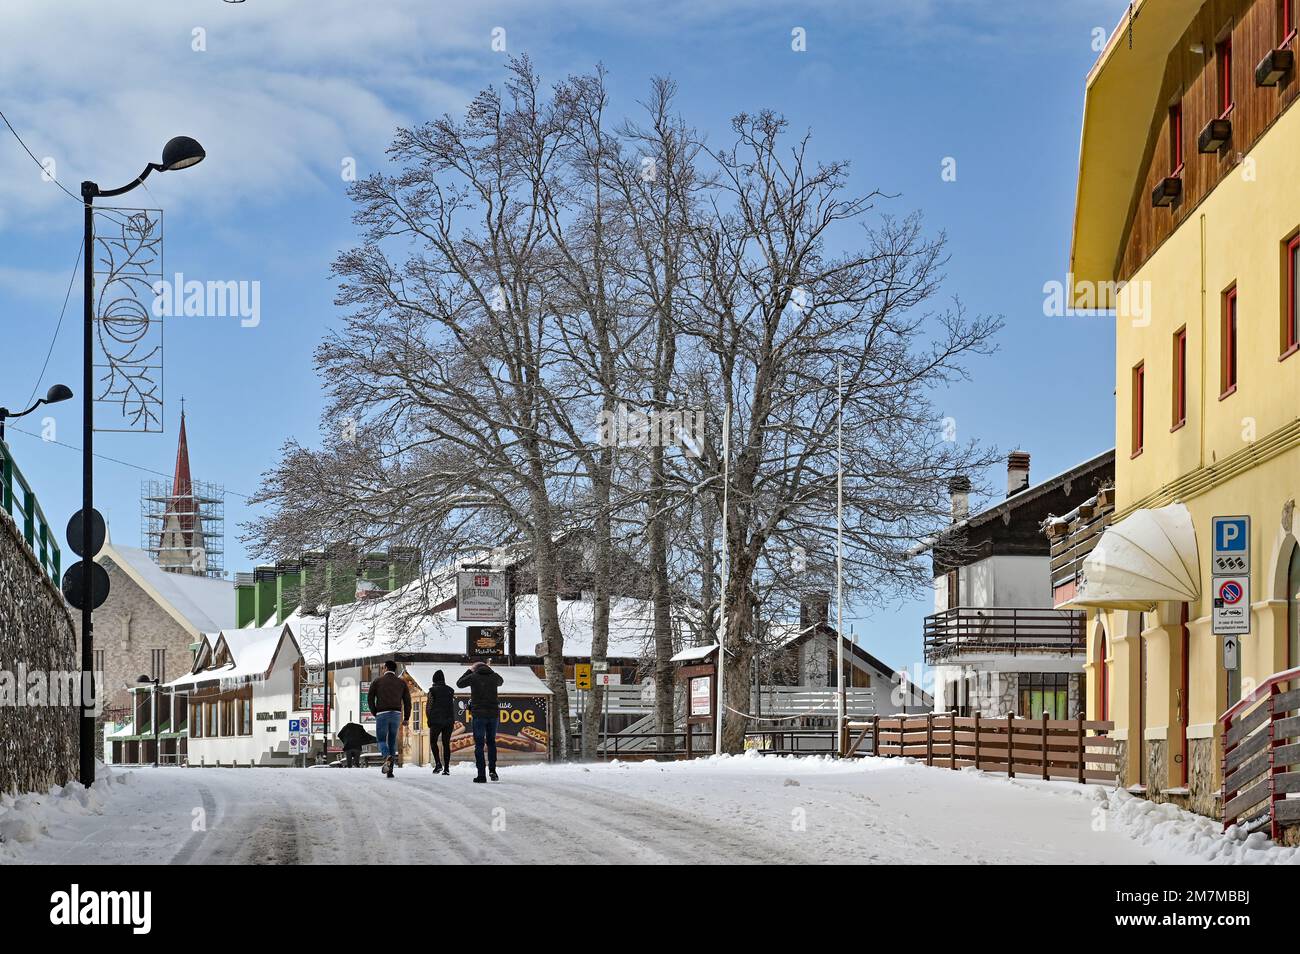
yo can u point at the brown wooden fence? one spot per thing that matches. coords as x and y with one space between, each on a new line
1037 748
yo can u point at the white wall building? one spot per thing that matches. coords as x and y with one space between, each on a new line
995 643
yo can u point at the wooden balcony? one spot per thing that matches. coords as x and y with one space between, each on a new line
1003 631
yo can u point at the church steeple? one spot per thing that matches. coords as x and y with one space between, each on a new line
182 533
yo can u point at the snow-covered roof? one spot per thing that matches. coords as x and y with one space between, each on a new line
516 680
377 628
251 653
695 652
201 604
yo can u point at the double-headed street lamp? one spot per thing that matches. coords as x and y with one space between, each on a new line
179 153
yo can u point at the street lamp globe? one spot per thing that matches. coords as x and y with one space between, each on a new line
181 152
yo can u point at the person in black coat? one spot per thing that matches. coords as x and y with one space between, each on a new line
440 714
354 737
482 683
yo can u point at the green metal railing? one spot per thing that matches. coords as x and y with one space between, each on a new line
21 504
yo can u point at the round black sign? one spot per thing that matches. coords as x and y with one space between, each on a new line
73 582
75 532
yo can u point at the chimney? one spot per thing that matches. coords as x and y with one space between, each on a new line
1017 472
959 491
814 609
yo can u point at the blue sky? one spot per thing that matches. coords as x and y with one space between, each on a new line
283 92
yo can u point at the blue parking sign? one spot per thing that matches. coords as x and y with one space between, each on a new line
1231 545
293 725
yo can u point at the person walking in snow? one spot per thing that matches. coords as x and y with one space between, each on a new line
482 683
390 701
354 738
440 714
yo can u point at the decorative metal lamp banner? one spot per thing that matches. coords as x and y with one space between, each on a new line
128 328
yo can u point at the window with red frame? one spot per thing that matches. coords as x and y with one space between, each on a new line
1176 138
1224 53
1180 377
1139 400
1228 344
1291 319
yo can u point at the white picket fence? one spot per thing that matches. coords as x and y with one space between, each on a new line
634 699
780 703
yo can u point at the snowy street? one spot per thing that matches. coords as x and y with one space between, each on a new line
740 810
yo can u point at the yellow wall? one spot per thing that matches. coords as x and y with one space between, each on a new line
1236 236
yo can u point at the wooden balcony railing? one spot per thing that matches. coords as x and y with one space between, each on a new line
999 630
1261 754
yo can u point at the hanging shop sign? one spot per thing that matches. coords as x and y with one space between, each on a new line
480 596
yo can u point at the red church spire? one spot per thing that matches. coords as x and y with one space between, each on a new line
182 502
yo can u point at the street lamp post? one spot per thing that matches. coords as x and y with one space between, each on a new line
180 152
56 393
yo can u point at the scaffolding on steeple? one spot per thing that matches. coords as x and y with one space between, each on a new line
183 527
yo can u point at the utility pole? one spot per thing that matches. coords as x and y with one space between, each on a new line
839 561
722 600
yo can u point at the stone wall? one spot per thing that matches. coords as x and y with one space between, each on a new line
994 694
40 674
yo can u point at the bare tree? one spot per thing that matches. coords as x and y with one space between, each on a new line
528 271
777 315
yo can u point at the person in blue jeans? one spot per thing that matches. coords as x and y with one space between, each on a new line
390 701
482 683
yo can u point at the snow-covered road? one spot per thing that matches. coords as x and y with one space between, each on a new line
710 811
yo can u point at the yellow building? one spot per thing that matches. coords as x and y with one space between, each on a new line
1188 224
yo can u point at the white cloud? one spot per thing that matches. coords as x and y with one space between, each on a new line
287 88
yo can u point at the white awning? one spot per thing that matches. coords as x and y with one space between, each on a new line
1148 557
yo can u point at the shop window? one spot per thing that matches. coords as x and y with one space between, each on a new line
1044 693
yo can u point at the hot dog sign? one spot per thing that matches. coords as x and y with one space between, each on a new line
521 726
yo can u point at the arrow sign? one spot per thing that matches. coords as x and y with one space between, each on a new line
1231 653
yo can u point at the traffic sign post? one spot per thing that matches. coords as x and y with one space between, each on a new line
1230 579
582 676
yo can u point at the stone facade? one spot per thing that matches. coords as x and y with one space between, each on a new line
1157 768
1200 777
38 720
128 628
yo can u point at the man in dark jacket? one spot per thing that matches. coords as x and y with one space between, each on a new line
440 714
482 683
390 701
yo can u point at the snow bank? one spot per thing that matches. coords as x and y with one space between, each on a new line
1169 826
1166 826
26 819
